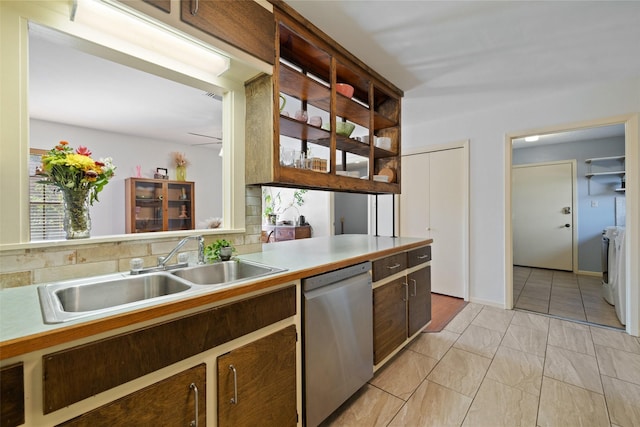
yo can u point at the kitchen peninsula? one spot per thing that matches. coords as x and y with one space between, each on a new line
274 302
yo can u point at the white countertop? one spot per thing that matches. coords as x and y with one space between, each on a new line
20 314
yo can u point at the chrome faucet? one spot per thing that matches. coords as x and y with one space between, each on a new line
162 261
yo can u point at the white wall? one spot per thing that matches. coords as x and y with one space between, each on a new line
316 209
108 215
486 131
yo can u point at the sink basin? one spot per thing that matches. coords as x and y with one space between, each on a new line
69 300
225 272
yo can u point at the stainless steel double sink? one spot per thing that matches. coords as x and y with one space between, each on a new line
70 300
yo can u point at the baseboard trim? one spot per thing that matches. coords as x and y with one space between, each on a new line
487 302
589 273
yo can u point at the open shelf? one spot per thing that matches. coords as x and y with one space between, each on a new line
590 174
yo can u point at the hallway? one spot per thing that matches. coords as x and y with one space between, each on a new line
563 294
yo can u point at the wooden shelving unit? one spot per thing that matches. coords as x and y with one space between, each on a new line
307 68
159 205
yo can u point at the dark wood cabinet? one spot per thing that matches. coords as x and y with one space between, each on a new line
243 24
70 375
419 283
159 205
402 306
12 395
279 233
389 318
388 266
170 402
257 382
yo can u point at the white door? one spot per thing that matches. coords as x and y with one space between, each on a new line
414 199
542 215
432 204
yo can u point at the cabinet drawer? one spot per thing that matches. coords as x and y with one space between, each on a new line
418 256
74 374
288 233
12 395
303 232
385 267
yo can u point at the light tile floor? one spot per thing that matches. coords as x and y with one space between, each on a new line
492 367
562 294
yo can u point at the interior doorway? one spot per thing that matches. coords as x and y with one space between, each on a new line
589 263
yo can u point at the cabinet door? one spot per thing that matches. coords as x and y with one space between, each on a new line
12 395
170 402
389 318
243 24
180 206
419 299
257 382
144 205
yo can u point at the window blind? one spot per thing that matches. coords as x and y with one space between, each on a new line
46 212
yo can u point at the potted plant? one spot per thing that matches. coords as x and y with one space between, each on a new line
220 250
273 205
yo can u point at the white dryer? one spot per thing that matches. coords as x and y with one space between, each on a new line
620 285
609 255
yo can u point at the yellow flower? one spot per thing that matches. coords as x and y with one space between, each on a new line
80 162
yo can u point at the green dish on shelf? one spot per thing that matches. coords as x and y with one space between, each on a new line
342 128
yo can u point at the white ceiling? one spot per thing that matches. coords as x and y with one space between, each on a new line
67 85
452 56
601 132
462 56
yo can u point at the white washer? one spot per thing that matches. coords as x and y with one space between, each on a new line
620 285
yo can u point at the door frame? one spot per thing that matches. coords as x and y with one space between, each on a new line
574 207
632 168
464 145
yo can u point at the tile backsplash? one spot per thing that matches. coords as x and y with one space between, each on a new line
32 266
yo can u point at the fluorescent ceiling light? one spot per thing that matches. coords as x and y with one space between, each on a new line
143 36
533 138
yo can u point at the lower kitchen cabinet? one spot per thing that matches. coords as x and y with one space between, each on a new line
12 395
402 306
419 283
257 382
389 318
174 401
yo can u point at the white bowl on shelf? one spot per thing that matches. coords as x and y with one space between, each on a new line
383 142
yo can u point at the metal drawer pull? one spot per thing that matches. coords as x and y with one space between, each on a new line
194 8
234 399
406 292
391 267
423 256
415 287
194 423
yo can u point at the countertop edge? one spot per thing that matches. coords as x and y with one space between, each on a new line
29 343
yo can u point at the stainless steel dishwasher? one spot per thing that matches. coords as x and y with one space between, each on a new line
338 338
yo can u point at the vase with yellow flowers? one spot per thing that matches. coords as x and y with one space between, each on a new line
80 179
181 165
